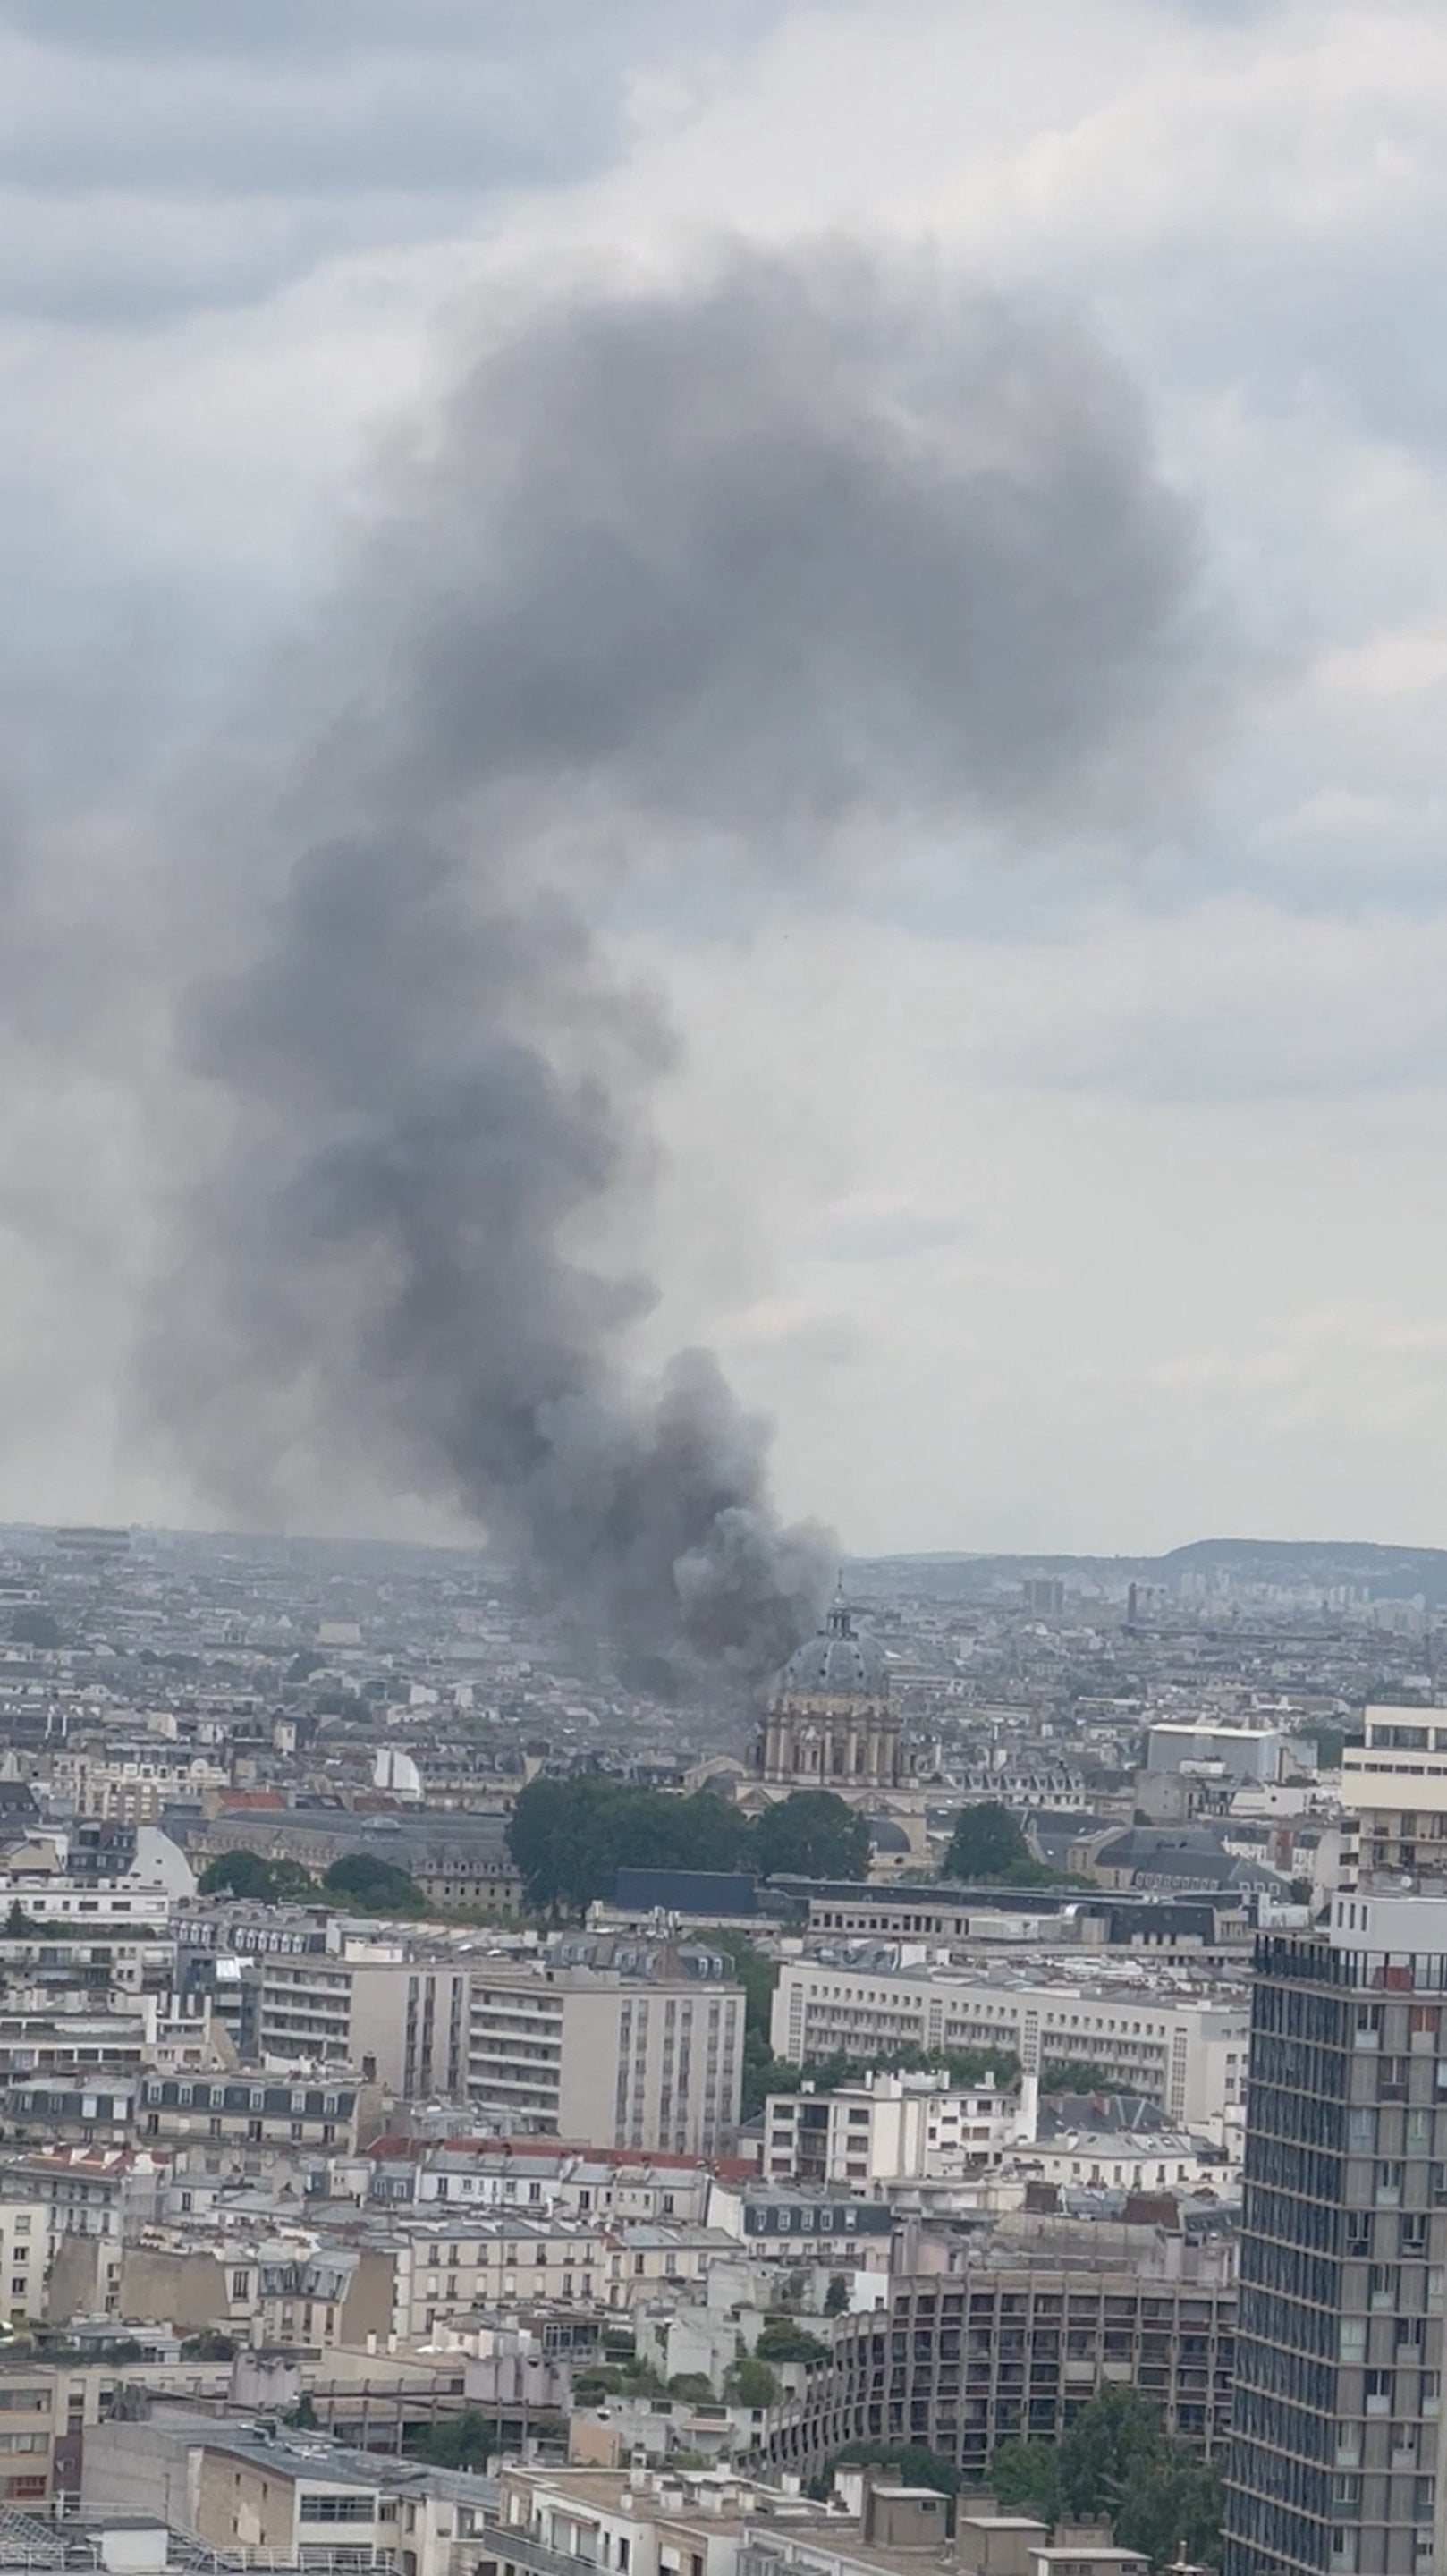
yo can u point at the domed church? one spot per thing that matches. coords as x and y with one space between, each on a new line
827 1723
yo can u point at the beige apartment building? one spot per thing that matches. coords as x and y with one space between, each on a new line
565 2051
578 2053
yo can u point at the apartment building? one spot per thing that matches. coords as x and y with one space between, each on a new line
345 2007
962 2363
561 2050
91 1905
47 2037
85 2191
888 2128
212 2114
24 2259
576 2052
133 1784
785 2223
93 2107
1339 2450
1394 1800
246 2489
35 2413
1189 2055
492 2262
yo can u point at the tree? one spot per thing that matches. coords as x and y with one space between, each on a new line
464 2443
237 1873
1026 2478
18 1924
781 2339
810 1834
836 2297
1117 2462
269 1882
987 1849
751 2383
1171 2506
570 1838
31 1627
374 1886
1077 2075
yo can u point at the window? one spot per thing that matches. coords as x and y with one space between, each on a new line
335 2508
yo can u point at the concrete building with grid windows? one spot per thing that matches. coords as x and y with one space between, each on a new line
1188 2054
1012 2353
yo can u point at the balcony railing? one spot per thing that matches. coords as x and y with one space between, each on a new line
510 2541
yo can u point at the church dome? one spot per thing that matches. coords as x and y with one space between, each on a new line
839 1663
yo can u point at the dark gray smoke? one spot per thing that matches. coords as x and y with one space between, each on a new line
744 574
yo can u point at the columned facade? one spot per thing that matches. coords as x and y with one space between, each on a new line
828 1723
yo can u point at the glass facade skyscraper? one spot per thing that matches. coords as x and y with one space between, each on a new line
1337 2423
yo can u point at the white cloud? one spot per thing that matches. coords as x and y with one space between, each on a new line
1096 1204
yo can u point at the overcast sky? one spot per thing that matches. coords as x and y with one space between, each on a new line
1049 1193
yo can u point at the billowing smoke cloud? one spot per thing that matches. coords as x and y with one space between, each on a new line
746 573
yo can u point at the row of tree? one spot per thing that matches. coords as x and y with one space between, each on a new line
569 1838
358 1879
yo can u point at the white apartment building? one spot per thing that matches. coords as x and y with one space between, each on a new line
889 2128
1188 2055
1394 1800
101 1904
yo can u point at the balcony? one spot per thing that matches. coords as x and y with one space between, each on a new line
517 2546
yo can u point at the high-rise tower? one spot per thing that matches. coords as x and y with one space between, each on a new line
1337 2458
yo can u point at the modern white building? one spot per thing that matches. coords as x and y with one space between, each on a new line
1188 2053
1394 1800
886 2129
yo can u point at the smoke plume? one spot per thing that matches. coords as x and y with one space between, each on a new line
746 573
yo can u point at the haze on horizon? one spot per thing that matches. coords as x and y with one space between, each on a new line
1065 1176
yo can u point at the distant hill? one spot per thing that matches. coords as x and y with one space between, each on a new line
1320 1565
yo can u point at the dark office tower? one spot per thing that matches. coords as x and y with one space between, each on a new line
1334 2465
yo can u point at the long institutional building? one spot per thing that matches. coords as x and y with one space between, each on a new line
1339 2450
1189 2055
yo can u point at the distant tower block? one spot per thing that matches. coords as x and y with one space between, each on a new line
827 1723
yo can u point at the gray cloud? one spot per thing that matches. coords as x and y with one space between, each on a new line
743 574
161 159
